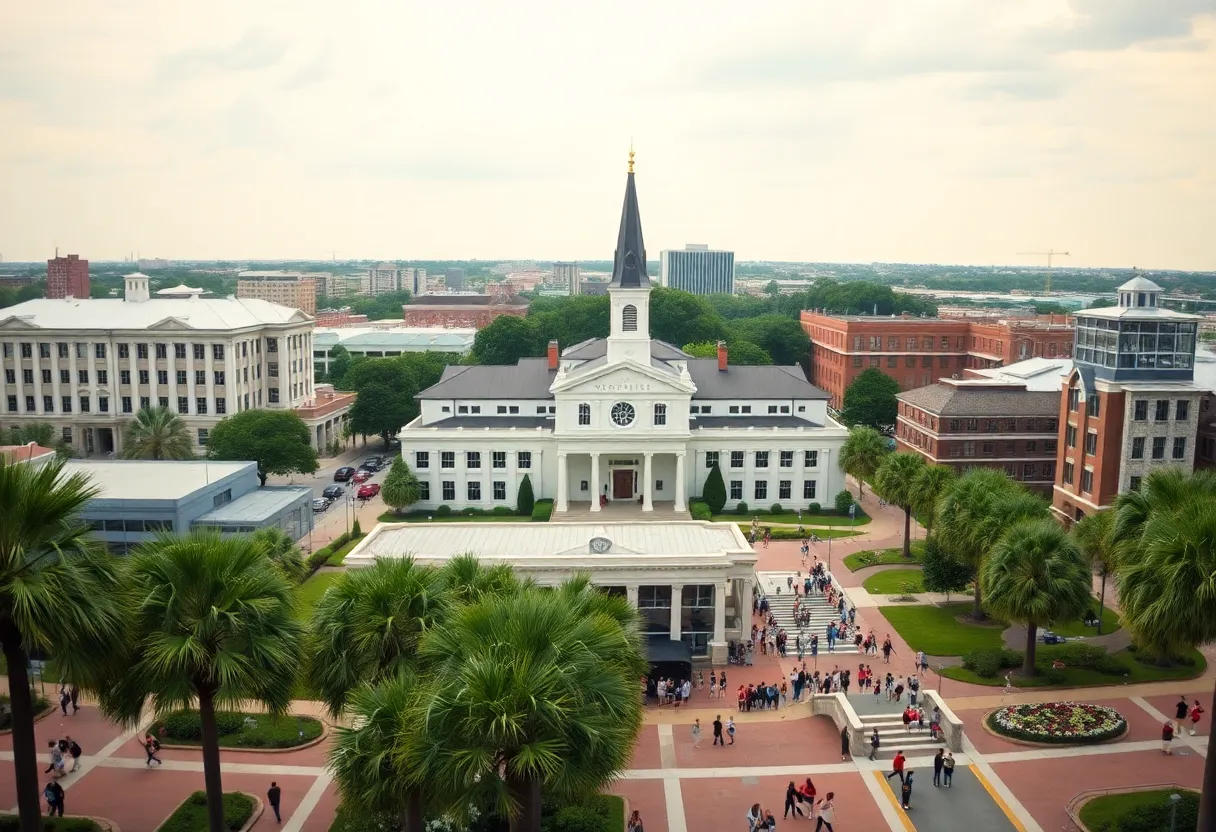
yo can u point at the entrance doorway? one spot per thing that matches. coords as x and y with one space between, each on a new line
105 441
622 484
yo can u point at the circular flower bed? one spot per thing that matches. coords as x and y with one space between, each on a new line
1058 722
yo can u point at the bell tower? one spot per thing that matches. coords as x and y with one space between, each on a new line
629 291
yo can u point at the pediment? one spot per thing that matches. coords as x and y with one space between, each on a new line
171 324
625 377
18 322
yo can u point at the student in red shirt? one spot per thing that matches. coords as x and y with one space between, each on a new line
897 766
1196 710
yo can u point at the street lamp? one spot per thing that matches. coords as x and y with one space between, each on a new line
1175 799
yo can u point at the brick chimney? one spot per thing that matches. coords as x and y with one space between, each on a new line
722 358
553 355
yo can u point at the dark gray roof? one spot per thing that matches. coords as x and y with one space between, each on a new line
598 348
629 259
761 420
758 382
1000 403
529 379
501 422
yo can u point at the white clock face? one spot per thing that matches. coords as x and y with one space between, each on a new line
623 414
600 545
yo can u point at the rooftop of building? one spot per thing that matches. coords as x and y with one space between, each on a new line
279 273
153 479
256 507
403 337
1050 373
886 319
24 453
983 398
168 314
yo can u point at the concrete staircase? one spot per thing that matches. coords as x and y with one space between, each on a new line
782 606
619 512
891 734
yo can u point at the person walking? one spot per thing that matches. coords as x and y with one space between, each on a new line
1180 714
718 731
1167 736
74 696
635 822
791 802
65 699
948 769
1196 712
55 769
74 751
730 729
897 766
938 760
273 796
844 743
827 812
906 790
54 798
874 744
755 817
696 733
151 745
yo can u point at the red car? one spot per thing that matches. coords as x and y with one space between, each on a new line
362 475
366 492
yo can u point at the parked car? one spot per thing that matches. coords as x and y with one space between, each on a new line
344 473
320 504
373 463
1048 637
366 492
362 475
333 492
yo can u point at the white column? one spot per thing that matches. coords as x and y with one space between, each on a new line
717 646
647 485
677 606
631 594
595 482
561 504
679 506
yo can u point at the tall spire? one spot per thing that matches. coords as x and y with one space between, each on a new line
629 261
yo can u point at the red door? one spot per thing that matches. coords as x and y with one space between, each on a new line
622 484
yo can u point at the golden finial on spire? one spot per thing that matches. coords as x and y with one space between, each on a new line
631 157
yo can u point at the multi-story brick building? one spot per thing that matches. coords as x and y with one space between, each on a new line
295 290
1130 403
67 277
965 424
919 351
460 311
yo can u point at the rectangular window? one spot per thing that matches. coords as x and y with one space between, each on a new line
162 376
1074 399
145 403
1091 443
200 378
12 404
498 459
584 414
500 490
162 401
200 352
25 349
1179 447
783 490
10 377
761 459
734 408
143 376
523 459
808 489
736 489
103 404
272 395
1133 484
219 378
67 404
46 376
141 350
103 377
472 460
1049 446
736 459
27 376
221 406
447 459
772 408
1095 406
1138 447
99 351
711 459
787 459
44 351
1087 481
200 406
857 361
181 376
272 345
1158 447
1068 473
124 350
183 404
474 489
449 490
761 490
502 409
1070 437
1182 409
126 404
660 415
424 491
810 459
162 350
217 352
179 350
422 460
1161 412
47 404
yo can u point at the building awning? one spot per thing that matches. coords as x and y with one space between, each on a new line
660 651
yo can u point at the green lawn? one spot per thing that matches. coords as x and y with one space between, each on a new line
185 728
191 815
891 581
337 557
784 533
936 630
808 520
1110 623
1073 677
1104 812
431 517
69 824
310 592
877 557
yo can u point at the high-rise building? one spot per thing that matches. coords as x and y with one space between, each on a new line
569 275
296 290
698 270
67 277
453 280
414 280
384 278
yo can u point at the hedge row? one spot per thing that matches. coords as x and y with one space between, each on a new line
191 815
542 510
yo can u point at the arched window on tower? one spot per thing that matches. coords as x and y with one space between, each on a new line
629 318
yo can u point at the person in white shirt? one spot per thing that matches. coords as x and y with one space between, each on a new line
827 812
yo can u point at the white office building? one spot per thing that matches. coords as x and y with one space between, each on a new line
699 270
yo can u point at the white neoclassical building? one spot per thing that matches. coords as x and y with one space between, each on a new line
623 421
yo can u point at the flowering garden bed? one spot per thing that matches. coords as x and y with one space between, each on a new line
1070 723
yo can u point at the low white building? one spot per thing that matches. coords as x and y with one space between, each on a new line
692 581
382 342
627 419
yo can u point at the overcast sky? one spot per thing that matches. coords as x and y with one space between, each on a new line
955 131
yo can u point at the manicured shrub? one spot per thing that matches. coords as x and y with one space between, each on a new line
525 501
741 508
714 491
813 508
843 500
191 815
542 511
700 511
265 731
502 511
777 509
443 511
355 529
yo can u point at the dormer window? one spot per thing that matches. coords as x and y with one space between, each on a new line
629 318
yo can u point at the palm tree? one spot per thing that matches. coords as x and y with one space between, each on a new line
214 623
975 512
283 551
861 455
932 483
1163 489
1036 574
536 691
897 481
157 433
1095 534
58 595
468 579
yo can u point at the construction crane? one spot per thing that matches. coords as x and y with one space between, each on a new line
1048 254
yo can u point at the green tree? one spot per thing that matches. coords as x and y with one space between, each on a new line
897 481
933 482
524 501
862 454
467 579
781 337
743 353
943 573
42 434
213 624
58 595
506 340
339 364
534 692
1036 574
1095 534
379 411
283 552
870 401
157 433
276 439
682 318
714 492
974 513
401 487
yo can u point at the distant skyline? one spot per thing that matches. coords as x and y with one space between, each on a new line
948 132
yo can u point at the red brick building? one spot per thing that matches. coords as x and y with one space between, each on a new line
965 424
339 318
459 311
67 277
920 351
